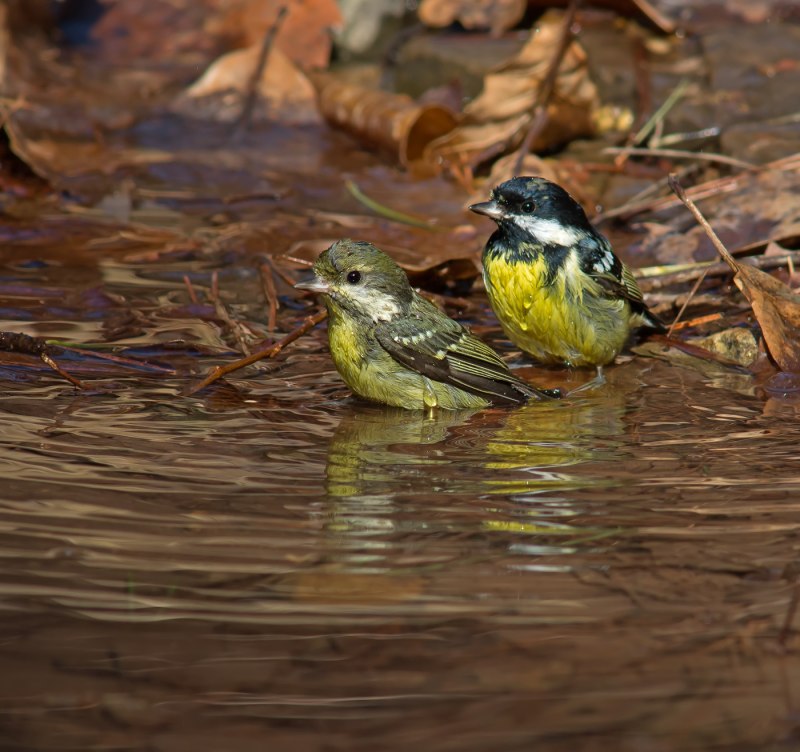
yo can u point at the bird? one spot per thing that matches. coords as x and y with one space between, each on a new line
554 282
390 345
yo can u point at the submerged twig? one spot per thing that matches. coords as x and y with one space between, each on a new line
270 352
270 293
190 289
242 122
118 359
539 114
27 345
234 327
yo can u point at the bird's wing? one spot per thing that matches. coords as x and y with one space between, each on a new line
616 279
427 341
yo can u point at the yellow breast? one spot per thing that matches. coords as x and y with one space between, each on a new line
564 321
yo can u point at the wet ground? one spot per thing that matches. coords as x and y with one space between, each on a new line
271 564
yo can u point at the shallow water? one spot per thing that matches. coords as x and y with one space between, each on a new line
271 564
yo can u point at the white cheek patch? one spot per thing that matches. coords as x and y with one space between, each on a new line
547 231
379 306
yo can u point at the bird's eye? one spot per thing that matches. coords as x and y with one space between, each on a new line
354 277
528 207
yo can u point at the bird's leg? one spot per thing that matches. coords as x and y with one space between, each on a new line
595 383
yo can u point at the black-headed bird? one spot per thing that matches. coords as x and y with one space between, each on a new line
390 345
553 281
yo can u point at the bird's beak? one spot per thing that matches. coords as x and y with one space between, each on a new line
314 285
489 208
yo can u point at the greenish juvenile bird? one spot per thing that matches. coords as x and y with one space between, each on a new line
390 345
554 282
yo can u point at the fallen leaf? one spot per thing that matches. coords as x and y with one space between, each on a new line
163 30
304 36
496 15
285 93
775 306
777 309
497 120
395 123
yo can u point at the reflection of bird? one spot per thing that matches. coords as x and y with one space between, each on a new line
554 282
392 346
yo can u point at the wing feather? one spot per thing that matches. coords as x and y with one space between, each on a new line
435 346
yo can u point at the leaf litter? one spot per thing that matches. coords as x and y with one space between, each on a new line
196 237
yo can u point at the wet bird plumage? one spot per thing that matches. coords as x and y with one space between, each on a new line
392 346
556 286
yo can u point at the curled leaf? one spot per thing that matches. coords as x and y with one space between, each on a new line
393 122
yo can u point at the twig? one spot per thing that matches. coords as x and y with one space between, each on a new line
27 345
698 192
644 93
190 289
790 612
234 327
118 359
707 319
539 114
688 300
688 272
681 154
790 573
283 274
219 371
270 293
712 236
242 122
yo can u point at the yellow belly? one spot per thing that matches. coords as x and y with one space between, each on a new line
374 375
558 323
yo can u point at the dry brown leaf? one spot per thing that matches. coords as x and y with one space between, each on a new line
775 306
305 33
284 91
393 122
497 120
777 310
496 15
163 30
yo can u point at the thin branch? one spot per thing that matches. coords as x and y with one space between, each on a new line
681 274
688 300
219 371
539 114
270 293
190 289
27 345
246 115
703 222
681 154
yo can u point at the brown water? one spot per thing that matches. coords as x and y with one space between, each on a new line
273 565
